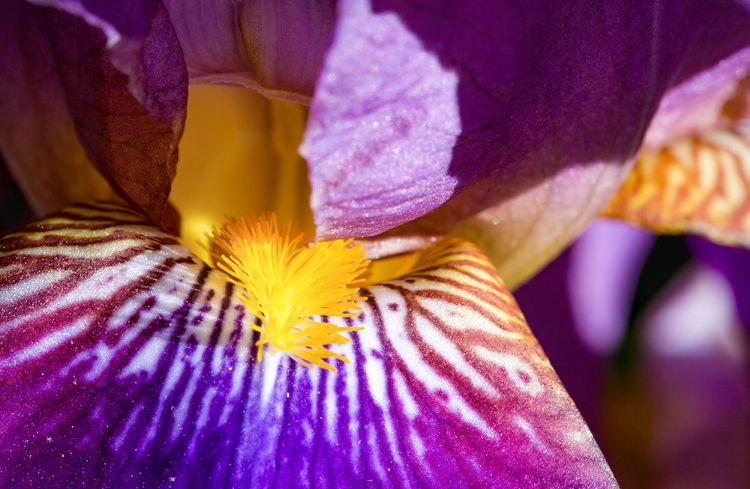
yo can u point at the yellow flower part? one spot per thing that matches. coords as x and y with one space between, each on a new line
239 156
286 283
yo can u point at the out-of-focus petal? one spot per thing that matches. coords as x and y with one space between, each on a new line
605 265
695 365
520 107
35 123
274 47
699 185
119 69
125 361
733 264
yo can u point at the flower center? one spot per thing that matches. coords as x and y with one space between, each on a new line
287 283
238 156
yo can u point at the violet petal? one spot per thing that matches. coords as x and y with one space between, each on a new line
125 84
125 361
274 47
519 107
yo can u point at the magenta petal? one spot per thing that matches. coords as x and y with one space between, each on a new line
125 362
492 100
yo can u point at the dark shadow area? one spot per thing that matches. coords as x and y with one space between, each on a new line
544 86
668 256
14 211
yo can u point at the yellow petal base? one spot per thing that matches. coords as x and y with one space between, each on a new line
697 184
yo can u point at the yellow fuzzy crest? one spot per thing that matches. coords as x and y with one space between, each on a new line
286 282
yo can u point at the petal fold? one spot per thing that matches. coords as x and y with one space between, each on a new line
126 361
524 116
276 48
118 70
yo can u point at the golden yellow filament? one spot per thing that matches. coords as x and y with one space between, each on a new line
286 283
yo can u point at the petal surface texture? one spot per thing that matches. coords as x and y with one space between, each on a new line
35 122
524 115
699 185
274 47
115 70
126 362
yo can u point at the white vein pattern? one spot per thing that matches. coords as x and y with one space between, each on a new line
133 365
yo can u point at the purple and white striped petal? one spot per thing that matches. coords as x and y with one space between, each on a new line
124 361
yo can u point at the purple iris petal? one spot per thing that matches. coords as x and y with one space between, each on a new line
734 265
117 68
125 362
519 106
606 262
695 368
274 47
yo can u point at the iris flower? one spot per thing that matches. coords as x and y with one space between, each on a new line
125 360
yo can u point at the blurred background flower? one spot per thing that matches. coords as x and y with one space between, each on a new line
649 335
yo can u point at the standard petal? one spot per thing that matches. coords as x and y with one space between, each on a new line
123 361
120 68
274 47
531 110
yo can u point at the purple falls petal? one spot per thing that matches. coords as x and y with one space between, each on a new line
121 72
530 109
125 362
274 47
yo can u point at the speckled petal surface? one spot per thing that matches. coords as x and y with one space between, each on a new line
126 362
119 68
524 116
